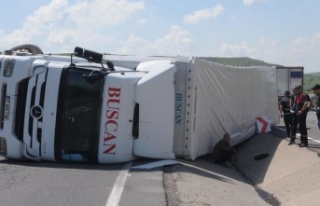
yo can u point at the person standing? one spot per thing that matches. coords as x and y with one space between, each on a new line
300 109
285 111
316 91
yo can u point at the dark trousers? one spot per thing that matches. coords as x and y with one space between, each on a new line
225 156
287 118
318 117
301 120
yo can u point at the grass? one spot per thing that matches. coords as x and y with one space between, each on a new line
239 61
310 80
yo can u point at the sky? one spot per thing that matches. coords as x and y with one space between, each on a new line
284 32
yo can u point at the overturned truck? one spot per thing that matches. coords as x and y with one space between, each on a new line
89 107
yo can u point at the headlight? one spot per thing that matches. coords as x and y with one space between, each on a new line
8 67
3 146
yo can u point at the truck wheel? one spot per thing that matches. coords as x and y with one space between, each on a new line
29 47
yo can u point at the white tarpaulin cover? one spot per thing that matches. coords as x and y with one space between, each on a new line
226 99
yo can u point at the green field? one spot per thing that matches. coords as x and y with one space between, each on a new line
310 79
239 61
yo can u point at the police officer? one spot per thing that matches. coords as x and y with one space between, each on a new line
300 109
285 111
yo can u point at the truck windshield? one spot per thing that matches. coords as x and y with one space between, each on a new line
79 104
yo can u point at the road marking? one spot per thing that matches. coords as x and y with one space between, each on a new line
115 195
310 138
298 134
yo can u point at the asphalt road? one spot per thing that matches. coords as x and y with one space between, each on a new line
39 183
313 131
312 125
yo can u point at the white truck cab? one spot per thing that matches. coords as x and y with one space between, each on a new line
61 109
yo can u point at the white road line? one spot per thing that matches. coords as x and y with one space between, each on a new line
115 195
298 134
310 138
314 140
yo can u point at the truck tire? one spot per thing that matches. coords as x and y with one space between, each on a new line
29 47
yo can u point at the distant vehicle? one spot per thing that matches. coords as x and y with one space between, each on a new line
89 107
288 78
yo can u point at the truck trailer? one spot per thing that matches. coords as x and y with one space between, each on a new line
94 108
288 78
